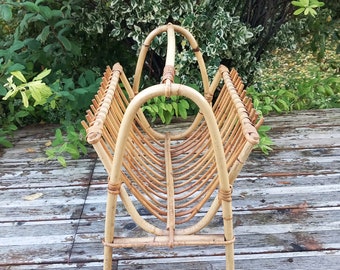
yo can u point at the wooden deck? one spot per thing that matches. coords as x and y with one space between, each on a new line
286 206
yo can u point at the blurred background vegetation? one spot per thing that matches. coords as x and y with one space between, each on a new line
52 55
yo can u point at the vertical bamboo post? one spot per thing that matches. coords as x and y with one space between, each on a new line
109 229
229 233
169 68
171 47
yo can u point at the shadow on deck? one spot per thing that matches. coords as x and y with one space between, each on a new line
286 206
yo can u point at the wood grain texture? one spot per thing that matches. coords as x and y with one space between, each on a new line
286 206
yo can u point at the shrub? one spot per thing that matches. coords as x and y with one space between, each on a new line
36 36
77 39
297 79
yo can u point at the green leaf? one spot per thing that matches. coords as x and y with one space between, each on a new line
82 80
31 6
73 151
40 91
169 107
17 45
313 12
175 106
266 140
62 23
66 43
83 149
3 90
182 112
316 3
5 142
162 106
12 127
42 74
16 67
184 104
276 108
46 12
329 90
264 128
68 84
267 100
62 161
321 89
283 103
161 115
300 3
58 138
80 91
154 108
44 34
24 98
21 114
267 108
299 11
168 117
5 12
53 104
11 93
57 13
306 11
19 76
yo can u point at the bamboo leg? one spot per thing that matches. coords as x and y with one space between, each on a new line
109 229
228 233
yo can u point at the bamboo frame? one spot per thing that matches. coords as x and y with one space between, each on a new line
173 181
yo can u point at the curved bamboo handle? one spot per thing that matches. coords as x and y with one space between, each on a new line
193 43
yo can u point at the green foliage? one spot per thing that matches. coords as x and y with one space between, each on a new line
5 134
297 80
302 76
299 94
305 76
307 7
310 33
230 40
40 35
320 31
75 40
265 141
228 43
36 89
41 38
15 110
166 108
71 143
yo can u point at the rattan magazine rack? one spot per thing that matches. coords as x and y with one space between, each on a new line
181 179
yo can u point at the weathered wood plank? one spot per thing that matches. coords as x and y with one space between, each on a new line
318 260
38 254
271 261
324 117
254 193
293 162
259 231
306 137
58 266
279 230
89 246
51 204
24 175
286 206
